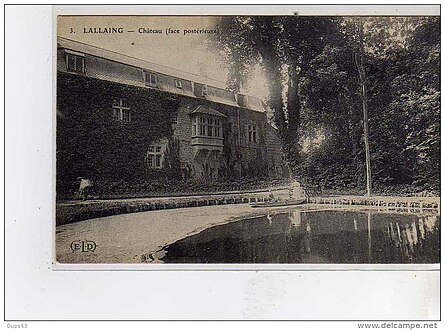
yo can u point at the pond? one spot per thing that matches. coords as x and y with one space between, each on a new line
329 237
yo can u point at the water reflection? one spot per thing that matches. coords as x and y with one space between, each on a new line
315 237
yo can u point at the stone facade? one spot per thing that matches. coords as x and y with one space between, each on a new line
218 133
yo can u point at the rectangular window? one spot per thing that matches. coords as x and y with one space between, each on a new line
252 135
150 162
75 63
194 125
115 114
202 130
202 126
71 62
154 156
126 115
120 110
150 78
207 126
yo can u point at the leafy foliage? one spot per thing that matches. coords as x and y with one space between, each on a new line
315 97
283 46
85 115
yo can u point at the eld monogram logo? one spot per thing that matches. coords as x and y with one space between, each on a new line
83 246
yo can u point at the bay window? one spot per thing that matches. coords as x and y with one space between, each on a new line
206 126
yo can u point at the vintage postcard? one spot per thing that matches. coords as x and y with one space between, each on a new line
248 140
223 163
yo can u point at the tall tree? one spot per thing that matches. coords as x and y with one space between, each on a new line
324 72
283 46
359 59
369 38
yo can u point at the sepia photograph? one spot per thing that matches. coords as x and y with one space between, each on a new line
248 139
223 163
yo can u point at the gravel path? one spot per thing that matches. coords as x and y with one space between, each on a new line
126 238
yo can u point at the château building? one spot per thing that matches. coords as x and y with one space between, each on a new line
106 99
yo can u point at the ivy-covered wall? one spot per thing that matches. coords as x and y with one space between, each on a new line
90 143
111 153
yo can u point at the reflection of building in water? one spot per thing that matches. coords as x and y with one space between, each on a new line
315 237
362 237
422 228
295 218
410 238
413 233
430 223
269 218
307 240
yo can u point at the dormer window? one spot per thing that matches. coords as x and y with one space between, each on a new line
150 78
178 83
200 90
75 62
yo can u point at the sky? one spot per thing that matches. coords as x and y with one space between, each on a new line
183 52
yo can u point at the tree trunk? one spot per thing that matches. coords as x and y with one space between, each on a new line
366 139
362 80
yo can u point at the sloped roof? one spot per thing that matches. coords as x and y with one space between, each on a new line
174 90
207 110
217 99
253 103
114 56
